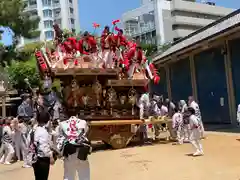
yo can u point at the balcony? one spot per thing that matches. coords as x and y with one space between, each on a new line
57 16
188 6
56 5
191 21
31 7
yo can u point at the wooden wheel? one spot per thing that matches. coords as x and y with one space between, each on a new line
118 142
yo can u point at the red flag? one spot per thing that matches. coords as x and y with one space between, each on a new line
114 22
95 25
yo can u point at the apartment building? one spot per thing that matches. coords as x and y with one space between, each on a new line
62 12
160 21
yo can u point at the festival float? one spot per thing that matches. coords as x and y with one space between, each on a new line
101 79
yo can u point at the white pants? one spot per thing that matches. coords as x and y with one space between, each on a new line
195 139
187 132
94 60
131 70
202 131
180 134
108 59
8 152
21 149
72 165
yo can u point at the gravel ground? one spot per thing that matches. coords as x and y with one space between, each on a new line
159 161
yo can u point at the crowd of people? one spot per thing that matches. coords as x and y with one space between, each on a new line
186 119
38 140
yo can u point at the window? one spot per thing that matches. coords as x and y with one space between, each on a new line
47 13
46 2
73 30
71 10
59 22
57 13
32 2
49 35
55 1
48 24
72 21
70 1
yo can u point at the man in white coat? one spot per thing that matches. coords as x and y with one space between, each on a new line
69 132
193 104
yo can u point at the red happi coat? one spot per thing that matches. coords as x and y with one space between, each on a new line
73 42
66 47
106 44
120 39
90 42
133 55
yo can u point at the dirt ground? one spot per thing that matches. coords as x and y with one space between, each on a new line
160 161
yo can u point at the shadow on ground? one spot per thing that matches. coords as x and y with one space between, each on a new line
227 128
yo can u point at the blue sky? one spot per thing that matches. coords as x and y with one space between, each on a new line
104 11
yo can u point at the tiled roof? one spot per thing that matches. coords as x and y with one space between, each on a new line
206 32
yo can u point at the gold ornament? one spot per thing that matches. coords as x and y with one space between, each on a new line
132 96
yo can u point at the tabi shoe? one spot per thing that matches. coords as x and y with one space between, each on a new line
198 153
7 163
26 166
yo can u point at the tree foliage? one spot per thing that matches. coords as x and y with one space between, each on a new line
18 71
20 23
14 16
152 49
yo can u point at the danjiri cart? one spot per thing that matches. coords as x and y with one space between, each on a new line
103 97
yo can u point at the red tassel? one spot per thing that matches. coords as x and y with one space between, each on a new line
156 79
75 62
150 126
43 66
65 61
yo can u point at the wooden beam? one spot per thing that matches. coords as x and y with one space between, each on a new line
229 81
169 90
193 77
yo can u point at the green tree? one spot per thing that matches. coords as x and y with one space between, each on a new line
18 71
153 49
14 17
20 23
149 48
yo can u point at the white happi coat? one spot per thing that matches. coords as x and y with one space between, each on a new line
144 104
70 130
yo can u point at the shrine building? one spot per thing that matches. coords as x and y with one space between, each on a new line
205 64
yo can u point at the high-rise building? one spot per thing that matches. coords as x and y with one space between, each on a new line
62 12
160 21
